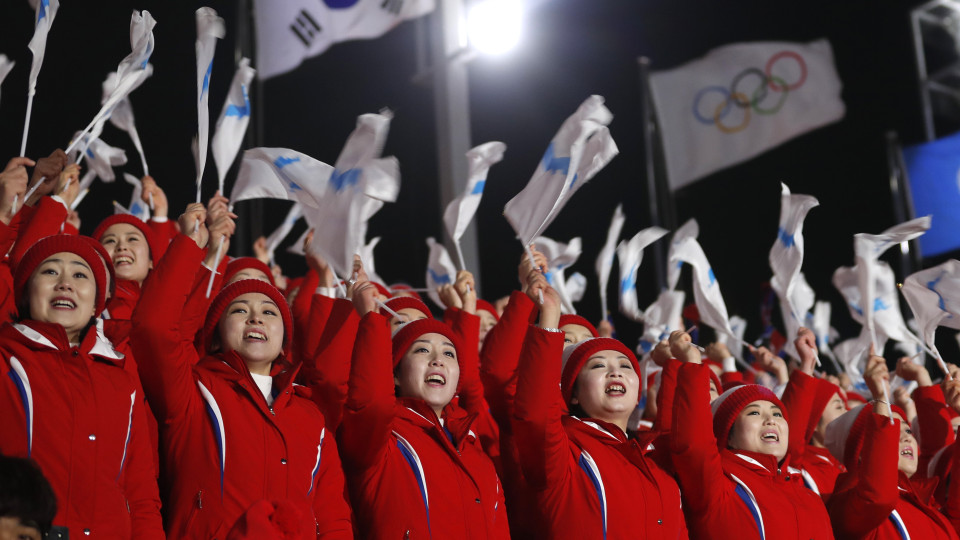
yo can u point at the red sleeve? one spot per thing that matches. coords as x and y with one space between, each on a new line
164 232
500 355
951 507
327 371
46 220
8 234
542 443
140 481
666 395
467 327
300 309
933 424
195 310
365 431
865 496
321 310
165 356
798 398
330 506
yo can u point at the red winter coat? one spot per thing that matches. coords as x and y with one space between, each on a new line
76 412
223 446
818 467
590 480
876 501
722 489
412 475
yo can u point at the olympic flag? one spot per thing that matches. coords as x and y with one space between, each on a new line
741 100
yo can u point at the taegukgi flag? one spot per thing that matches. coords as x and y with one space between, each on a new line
741 100
290 31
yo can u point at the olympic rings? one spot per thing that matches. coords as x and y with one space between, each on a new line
734 96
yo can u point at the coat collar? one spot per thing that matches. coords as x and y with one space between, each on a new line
40 335
231 367
454 420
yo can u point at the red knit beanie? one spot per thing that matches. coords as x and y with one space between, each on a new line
576 355
60 243
850 394
227 295
406 302
409 332
488 307
727 407
105 257
240 264
403 288
156 250
576 319
382 289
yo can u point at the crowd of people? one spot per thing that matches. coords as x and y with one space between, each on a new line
136 404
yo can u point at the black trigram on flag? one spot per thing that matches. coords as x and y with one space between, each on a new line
393 6
305 27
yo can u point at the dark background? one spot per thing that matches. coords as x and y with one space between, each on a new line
571 49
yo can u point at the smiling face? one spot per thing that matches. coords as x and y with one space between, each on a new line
63 290
575 333
129 250
607 387
429 371
908 451
760 427
252 325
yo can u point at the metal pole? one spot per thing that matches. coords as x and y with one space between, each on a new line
245 45
452 110
649 133
915 17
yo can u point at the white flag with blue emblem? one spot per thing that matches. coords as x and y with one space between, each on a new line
5 66
576 286
735 342
45 12
232 124
137 206
281 173
934 296
366 255
440 270
706 290
820 324
559 257
578 151
663 316
882 303
604 262
122 116
210 28
277 236
867 249
630 254
102 158
690 229
461 210
786 255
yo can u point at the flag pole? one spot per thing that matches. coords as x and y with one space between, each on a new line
26 123
659 197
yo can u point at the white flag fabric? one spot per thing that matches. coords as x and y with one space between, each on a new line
277 236
559 257
867 248
5 66
461 210
232 124
706 290
578 151
290 31
690 229
137 207
122 115
630 254
934 297
102 158
366 255
852 354
45 12
820 325
440 270
741 100
786 255
210 28
281 173
663 316
883 303
735 342
604 262
576 286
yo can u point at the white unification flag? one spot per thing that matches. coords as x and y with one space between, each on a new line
741 100
5 66
46 11
440 270
786 255
366 254
661 318
280 173
820 325
461 210
122 115
706 290
690 229
576 286
604 262
578 151
852 355
358 187
934 297
559 257
290 31
232 124
102 158
210 28
883 303
277 236
137 206
735 342
630 254
867 248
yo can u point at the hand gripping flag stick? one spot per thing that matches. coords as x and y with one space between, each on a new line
533 264
216 263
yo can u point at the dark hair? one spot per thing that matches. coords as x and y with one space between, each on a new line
26 494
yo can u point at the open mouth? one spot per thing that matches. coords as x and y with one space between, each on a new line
63 303
908 451
616 389
770 436
122 259
436 379
255 335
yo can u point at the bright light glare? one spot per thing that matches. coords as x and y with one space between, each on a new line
494 26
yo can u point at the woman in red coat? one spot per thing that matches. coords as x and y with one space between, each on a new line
234 427
589 479
68 404
878 498
414 466
732 464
